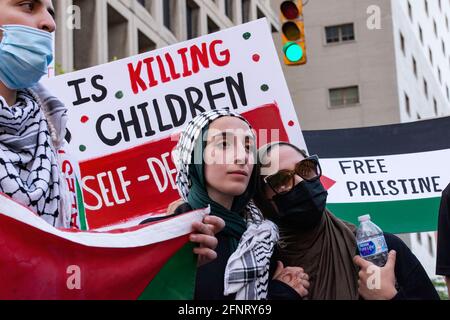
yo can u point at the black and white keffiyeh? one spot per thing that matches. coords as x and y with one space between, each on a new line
247 271
29 170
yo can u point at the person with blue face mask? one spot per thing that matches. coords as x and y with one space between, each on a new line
33 122
26 44
25 54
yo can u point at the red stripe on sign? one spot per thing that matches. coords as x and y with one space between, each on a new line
267 120
139 181
38 265
129 184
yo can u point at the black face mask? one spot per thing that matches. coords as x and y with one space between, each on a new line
303 206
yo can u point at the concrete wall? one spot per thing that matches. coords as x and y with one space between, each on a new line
369 62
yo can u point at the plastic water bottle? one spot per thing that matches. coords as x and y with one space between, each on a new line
371 243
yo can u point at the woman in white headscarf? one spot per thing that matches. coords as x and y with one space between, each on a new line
216 168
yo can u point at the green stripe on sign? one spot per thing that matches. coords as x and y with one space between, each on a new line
407 216
81 209
176 280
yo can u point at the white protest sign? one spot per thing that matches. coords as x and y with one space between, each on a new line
123 115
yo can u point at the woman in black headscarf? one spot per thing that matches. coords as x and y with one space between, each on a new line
291 194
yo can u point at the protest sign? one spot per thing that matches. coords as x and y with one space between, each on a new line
124 116
395 173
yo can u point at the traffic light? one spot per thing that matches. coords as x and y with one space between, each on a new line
293 32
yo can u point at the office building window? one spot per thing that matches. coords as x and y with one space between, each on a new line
341 33
407 105
344 96
229 9
118 46
259 14
144 43
212 26
402 43
410 11
430 55
425 87
421 34
430 245
246 8
192 19
167 14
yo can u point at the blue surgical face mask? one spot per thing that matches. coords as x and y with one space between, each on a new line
25 54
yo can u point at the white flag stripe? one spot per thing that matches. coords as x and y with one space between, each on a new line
416 176
162 231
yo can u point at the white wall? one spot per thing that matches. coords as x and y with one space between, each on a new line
422 251
421 105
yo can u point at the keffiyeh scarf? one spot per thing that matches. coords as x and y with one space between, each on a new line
247 271
29 169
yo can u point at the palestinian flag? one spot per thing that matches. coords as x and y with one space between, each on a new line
395 173
37 261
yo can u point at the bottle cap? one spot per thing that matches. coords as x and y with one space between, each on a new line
364 218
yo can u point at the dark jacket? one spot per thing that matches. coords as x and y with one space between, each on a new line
210 277
443 243
413 282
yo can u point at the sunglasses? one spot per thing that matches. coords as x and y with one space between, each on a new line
284 180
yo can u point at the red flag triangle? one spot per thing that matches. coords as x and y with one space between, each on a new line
327 182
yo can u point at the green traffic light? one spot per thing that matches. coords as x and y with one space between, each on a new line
293 51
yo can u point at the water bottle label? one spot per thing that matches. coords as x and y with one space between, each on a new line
372 247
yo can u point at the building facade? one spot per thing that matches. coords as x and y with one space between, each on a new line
364 72
422 50
95 32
